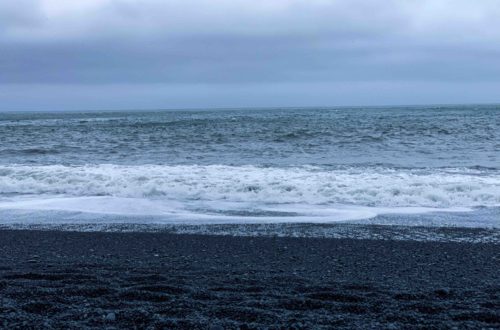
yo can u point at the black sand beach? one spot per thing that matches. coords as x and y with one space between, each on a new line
161 280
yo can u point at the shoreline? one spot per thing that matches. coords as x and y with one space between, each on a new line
124 279
339 230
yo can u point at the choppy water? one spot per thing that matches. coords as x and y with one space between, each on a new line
251 165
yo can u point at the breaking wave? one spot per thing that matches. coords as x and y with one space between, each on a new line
305 185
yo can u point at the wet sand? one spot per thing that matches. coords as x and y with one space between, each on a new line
164 280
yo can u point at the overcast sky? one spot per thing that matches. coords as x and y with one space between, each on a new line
143 54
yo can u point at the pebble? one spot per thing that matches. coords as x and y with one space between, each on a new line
216 327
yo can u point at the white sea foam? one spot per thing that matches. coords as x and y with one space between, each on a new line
249 192
156 211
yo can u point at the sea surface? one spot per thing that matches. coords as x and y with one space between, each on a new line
405 165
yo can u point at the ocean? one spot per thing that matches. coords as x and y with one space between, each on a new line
418 165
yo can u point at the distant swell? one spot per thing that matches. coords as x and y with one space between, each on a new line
378 187
29 151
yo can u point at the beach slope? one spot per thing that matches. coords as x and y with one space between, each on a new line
96 279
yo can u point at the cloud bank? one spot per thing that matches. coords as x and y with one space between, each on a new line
57 54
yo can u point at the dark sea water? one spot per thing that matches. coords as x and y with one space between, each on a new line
251 165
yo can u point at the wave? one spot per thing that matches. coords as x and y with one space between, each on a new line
305 185
30 151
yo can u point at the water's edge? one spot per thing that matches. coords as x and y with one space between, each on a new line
327 231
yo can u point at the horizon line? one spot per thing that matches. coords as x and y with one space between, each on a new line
260 108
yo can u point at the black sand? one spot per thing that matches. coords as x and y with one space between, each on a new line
161 280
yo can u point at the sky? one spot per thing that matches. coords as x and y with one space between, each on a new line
163 54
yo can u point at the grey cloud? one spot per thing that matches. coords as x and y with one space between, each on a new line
82 46
19 13
220 59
